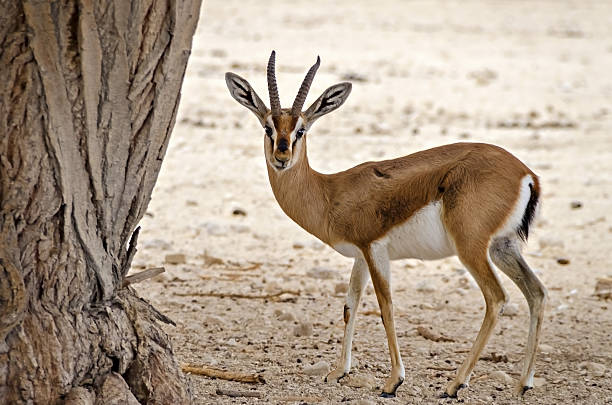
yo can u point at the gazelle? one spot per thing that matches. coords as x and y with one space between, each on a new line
472 200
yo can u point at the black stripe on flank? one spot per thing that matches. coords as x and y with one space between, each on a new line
523 229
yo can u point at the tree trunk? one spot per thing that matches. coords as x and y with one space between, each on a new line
89 91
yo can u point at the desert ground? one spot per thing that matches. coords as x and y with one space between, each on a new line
531 76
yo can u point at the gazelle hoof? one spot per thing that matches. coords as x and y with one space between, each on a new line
445 394
391 392
335 376
525 389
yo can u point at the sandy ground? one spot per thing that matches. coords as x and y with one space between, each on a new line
532 77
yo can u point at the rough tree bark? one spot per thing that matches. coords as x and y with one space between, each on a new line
89 91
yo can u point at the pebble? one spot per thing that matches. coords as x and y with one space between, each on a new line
286 316
576 204
544 348
298 245
425 286
341 288
596 369
510 309
500 376
563 261
360 381
175 258
237 210
321 273
320 368
303 328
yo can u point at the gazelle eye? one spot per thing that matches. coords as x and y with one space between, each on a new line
268 131
300 133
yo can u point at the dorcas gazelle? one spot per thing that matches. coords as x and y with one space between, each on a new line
472 200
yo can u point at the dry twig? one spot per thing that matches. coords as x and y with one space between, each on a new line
142 276
239 267
232 295
222 374
300 399
237 394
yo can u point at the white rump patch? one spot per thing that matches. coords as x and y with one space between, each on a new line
515 219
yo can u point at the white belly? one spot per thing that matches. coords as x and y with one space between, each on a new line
423 236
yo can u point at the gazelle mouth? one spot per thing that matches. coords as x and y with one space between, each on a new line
280 164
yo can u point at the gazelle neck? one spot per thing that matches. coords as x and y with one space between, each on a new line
300 191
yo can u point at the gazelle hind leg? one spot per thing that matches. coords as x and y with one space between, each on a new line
359 279
506 255
377 259
479 267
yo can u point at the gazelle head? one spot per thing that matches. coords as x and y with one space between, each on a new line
285 128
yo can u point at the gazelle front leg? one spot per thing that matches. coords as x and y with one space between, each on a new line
377 259
359 279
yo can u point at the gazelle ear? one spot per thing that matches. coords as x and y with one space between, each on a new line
243 93
331 99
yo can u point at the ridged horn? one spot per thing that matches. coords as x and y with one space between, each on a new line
272 88
301 96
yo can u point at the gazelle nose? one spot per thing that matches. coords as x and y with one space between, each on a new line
283 145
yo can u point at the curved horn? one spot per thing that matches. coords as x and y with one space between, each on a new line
272 88
301 96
